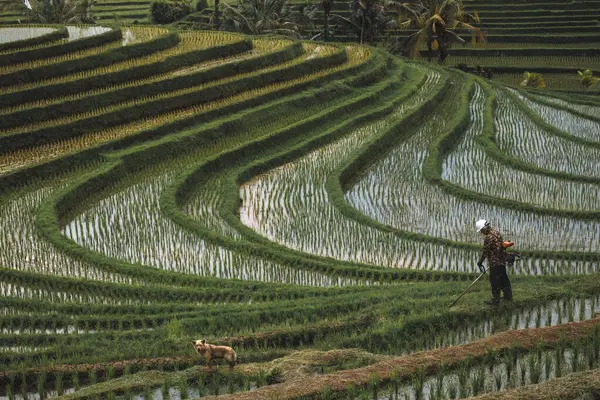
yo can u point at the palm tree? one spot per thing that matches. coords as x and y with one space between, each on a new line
54 11
436 21
269 16
369 18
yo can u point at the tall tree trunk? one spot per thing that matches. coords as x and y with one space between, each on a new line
216 19
362 30
326 27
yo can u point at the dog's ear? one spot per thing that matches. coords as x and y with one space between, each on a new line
203 341
193 342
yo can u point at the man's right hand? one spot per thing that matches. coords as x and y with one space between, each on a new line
481 267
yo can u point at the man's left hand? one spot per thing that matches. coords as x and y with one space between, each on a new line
481 267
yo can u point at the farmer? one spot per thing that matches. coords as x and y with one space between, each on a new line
493 250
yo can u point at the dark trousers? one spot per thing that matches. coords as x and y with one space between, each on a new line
500 283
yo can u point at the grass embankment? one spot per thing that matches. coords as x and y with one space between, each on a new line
310 373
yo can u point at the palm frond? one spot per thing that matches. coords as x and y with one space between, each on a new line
352 23
475 30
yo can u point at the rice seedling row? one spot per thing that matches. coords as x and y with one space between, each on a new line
107 95
131 14
167 294
64 330
5 70
190 43
550 45
520 137
8 289
514 371
259 310
171 96
502 13
190 383
62 110
553 80
120 3
520 6
529 62
550 313
14 306
248 319
583 22
399 331
205 204
104 8
519 38
203 324
579 97
179 295
11 161
468 166
496 373
564 120
25 250
588 110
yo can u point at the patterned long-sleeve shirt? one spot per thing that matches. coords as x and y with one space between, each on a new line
492 249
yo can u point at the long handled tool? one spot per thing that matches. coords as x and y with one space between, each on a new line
467 289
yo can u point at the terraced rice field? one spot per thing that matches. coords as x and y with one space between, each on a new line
311 205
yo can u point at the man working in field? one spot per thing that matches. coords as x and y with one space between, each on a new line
494 252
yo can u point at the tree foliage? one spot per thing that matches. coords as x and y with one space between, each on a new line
165 12
587 79
269 17
369 19
533 80
53 11
435 22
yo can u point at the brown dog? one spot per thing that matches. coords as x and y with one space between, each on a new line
211 352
